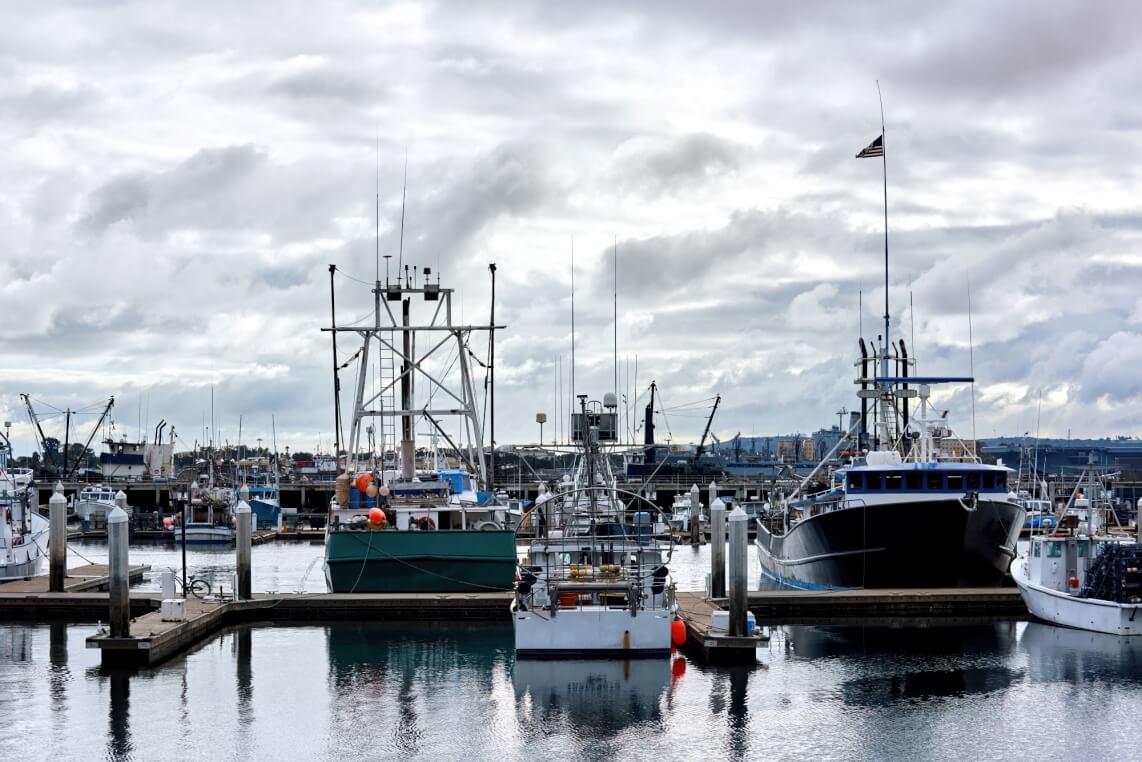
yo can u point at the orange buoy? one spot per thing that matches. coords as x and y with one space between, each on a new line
678 632
362 482
377 519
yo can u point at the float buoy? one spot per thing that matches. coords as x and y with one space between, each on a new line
362 482
678 632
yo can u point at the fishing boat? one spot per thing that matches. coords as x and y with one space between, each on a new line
209 519
683 508
23 531
596 584
1082 575
94 499
914 507
919 510
404 530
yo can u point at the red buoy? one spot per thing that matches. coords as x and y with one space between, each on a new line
362 482
678 632
1074 582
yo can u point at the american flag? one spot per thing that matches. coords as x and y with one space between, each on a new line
875 148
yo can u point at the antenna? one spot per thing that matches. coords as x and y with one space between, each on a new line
884 166
971 366
572 317
403 192
378 203
616 314
912 320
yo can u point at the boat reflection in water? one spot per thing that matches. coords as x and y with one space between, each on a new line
600 697
913 663
1065 655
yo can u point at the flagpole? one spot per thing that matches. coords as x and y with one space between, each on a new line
884 168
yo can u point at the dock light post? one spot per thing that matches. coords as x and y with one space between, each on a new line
242 516
541 418
117 561
57 539
717 548
739 605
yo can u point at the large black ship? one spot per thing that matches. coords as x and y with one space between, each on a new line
926 513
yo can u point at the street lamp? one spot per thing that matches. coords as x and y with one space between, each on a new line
541 418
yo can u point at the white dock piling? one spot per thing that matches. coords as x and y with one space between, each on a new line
695 515
717 548
57 540
739 602
117 571
242 516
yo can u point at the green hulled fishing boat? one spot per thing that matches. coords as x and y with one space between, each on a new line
406 530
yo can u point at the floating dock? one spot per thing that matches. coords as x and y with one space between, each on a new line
153 640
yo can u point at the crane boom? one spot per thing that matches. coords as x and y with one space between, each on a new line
706 433
36 423
106 410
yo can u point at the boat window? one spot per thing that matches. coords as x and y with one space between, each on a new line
935 480
914 480
1082 550
972 480
893 481
955 482
1054 549
856 480
989 480
1001 480
873 480
1036 552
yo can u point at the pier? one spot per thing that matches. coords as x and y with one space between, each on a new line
153 640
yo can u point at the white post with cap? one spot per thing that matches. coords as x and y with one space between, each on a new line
739 593
242 517
118 585
57 539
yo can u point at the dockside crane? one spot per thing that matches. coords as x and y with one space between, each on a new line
706 433
41 439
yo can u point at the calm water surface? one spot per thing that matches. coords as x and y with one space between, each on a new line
456 691
441 691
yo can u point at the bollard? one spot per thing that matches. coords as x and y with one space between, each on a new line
57 540
117 557
695 515
121 500
718 549
168 585
242 516
739 540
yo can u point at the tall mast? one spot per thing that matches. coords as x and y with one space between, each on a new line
408 444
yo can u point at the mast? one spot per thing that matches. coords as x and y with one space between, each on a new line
407 444
336 377
492 384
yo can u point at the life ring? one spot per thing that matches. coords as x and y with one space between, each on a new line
425 522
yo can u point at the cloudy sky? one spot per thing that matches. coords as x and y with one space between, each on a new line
177 177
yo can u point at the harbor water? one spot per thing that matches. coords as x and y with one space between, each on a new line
452 691
455 690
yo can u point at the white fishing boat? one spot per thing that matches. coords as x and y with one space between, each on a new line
1082 576
682 509
94 499
594 584
209 519
23 531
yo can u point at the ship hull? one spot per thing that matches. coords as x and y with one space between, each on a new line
897 545
442 561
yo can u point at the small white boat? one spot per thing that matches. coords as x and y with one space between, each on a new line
203 533
1080 575
95 498
680 513
1059 582
23 531
595 584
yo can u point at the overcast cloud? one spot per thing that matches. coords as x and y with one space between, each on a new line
176 179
